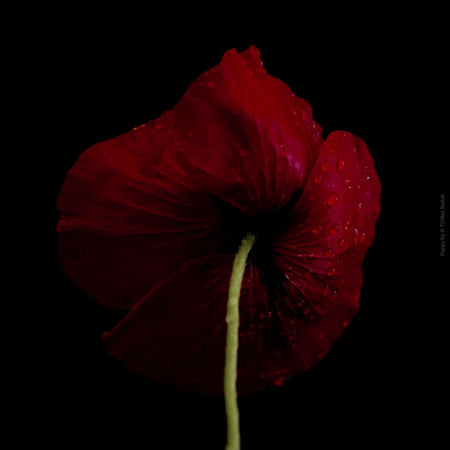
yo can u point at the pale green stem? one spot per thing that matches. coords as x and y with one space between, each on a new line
231 349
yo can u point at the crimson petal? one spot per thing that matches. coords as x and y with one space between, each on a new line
134 209
141 229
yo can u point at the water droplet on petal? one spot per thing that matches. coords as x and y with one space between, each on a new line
210 84
347 182
332 199
317 230
304 115
341 242
356 238
318 179
279 381
345 323
325 166
359 207
333 229
362 238
326 290
347 224
341 164
158 125
294 112
331 272
328 253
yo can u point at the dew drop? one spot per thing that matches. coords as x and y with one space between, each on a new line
328 253
331 271
326 290
279 381
359 207
325 166
332 199
362 238
333 229
356 238
304 115
210 84
347 182
317 230
341 164
345 323
358 190
347 224
318 179
294 112
365 168
158 125
341 242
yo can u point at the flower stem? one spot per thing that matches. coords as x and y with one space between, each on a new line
231 349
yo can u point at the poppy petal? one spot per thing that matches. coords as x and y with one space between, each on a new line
244 136
136 208
142 224
176 333
181 341
323 249
124 225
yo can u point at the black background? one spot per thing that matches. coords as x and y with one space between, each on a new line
370 75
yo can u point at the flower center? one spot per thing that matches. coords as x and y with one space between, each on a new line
265 226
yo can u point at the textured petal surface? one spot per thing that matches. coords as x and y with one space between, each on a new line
141 229
321 256
134 209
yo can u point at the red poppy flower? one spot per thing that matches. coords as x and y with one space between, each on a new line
151 222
